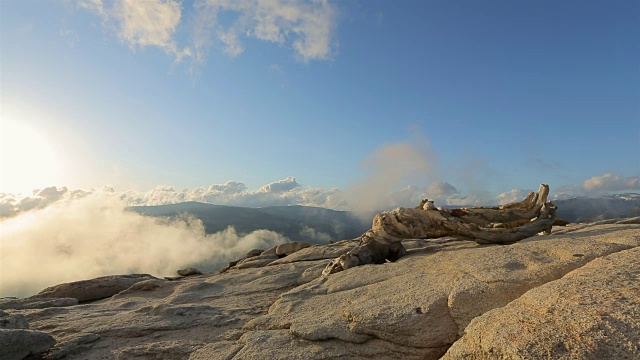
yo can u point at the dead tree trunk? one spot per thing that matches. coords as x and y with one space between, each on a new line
485 225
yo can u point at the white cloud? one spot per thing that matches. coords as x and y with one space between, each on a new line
512 196
11 205
612 182
387 168
305 26
408 196
280 186
308 25
94 236
142 23
440 189
282 192
230 187
7 205
608 183
96 6
478 198
233 47
149 22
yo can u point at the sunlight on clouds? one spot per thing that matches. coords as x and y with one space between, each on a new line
95 6
387 168
142 23
315 43
278 193
512 196
612 182
280 186
307 25
28 159
233 47
96 235
147 23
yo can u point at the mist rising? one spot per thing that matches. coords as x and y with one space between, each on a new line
96 235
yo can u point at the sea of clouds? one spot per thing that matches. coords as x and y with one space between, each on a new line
96 235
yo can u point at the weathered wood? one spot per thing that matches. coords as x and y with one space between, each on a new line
485 225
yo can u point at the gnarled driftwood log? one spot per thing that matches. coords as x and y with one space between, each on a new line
485 225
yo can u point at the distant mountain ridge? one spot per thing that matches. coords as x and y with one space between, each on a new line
586 209
303 223
318 225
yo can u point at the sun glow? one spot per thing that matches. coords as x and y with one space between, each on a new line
27 158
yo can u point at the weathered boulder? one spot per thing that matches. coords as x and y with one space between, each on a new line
290 247
255 261
254 252
254 258
229 266
318 252
189 272
74 345
145 285
35 303
259 258
173 278
94 289
16 344
591 313
633 220
13 321
17 341
270 251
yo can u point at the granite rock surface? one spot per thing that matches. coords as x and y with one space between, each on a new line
571 294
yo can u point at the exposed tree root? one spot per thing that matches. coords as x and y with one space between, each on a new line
485 225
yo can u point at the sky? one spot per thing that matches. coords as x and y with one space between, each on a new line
453 99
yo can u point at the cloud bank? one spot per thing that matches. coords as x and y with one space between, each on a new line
11 204
307 27
381 188
612 182
512 196
278 193
282 192
95 235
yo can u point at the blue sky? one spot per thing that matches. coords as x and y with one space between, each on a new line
483 96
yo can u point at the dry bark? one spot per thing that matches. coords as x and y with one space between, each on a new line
485 225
